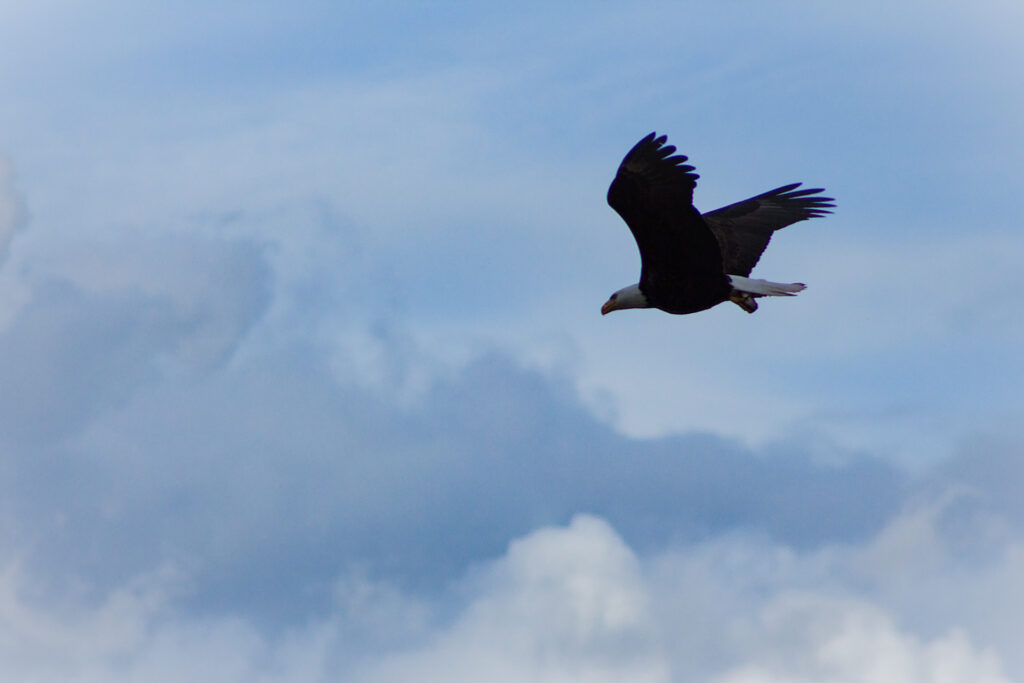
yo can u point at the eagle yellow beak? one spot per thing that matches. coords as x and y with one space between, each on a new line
608 307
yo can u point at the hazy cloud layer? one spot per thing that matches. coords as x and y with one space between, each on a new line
12 208
463 163
139 434
302 376
204 513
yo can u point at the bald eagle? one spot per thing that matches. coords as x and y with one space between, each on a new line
690 262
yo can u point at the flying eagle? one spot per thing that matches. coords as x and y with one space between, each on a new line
690 262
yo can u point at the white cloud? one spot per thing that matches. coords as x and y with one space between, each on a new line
894 607
908 315
561 604
811 638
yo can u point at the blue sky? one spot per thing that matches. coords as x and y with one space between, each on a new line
303 375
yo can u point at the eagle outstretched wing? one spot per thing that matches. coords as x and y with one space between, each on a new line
744 229
653 192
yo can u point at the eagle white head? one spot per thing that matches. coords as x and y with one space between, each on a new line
627 297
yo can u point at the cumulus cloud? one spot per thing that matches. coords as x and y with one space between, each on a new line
809 638
881 609
180 428
561 603
94 331
215 287
267 475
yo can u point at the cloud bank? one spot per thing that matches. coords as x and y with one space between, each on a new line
561 603
190 491
302 377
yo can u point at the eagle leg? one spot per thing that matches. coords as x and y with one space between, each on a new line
743 300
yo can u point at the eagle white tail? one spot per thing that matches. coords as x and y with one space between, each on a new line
764 287
745 289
